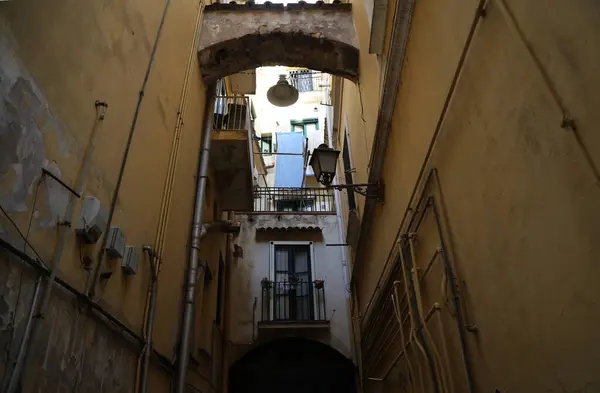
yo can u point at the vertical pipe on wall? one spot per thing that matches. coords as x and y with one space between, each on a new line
41 298
28 327
91 287
196 231
419 302
478 15
149 322
226 297
409 286
455 298
398 315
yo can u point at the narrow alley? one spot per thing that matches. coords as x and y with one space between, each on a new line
357 196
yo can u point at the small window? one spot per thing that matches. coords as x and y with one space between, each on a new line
266 144
304 126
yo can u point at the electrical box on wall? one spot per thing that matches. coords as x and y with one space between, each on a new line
115 243
130 261
92 220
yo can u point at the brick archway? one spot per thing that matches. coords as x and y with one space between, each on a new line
241 37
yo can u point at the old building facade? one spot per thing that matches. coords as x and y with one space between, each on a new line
471 275
144 246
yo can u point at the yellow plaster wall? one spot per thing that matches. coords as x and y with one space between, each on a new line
426 77
77 53
360 102
518 196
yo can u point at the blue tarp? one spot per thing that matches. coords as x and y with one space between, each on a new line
288 169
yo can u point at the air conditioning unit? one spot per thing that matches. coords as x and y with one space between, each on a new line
115 243
130 260
92 220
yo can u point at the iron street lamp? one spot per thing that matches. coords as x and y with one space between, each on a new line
323 162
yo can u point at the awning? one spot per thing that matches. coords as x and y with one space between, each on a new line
288 228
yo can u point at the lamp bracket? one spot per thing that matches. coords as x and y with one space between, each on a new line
368 190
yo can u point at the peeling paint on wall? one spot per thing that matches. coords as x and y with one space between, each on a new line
25 120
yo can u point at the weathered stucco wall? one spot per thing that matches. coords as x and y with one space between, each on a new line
426 77
519 197
74 351
316 37
56 60
359 107
247 273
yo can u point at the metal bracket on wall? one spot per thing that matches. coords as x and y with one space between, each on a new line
368 190
59 181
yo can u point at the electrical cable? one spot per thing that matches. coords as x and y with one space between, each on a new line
40 261
364 122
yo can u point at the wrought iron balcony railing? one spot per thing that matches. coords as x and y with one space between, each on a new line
293 200
231 114
306 81
293 301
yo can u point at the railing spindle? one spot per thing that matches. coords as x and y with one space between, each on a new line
285 199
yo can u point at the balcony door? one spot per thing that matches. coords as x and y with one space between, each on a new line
293 286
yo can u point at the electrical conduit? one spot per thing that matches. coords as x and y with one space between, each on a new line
179 124
479 12
419 301
165 203
91 287
416 320
412 336
398 315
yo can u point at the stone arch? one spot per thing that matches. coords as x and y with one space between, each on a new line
236 38
292 365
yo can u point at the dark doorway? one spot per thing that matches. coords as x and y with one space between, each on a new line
292 365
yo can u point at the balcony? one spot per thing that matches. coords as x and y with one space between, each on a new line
314 83
281 200
293 305
230 156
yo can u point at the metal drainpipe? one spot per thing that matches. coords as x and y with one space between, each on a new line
192 270
225 305
41 298
149 322
29 324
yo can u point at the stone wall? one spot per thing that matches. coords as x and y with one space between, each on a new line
316 37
